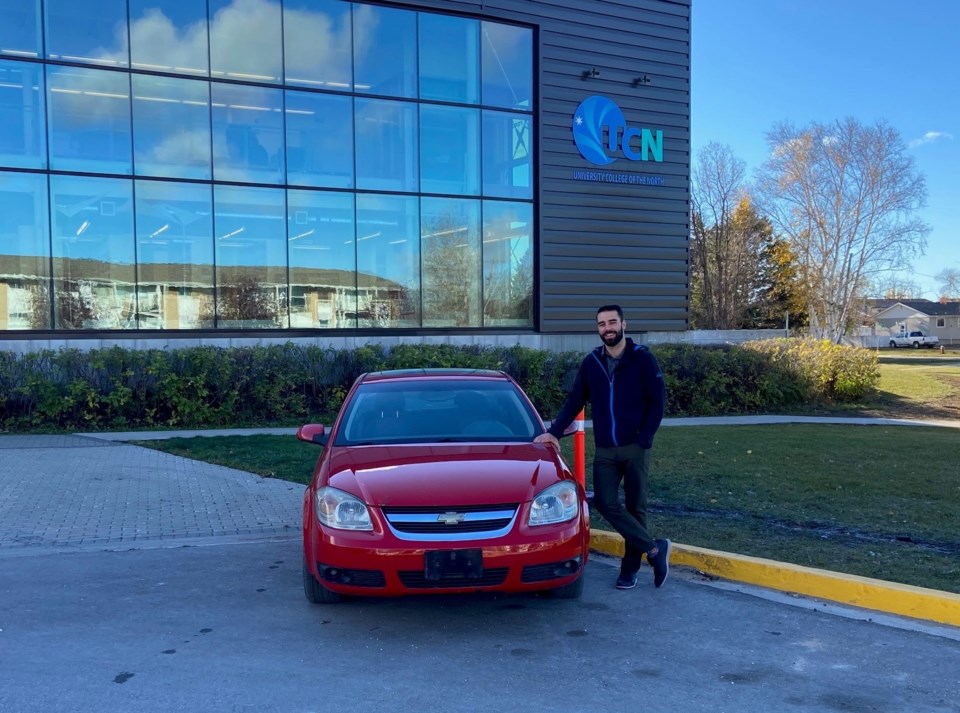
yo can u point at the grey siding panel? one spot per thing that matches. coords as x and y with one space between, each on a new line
610 242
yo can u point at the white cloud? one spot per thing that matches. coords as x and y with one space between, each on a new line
930 137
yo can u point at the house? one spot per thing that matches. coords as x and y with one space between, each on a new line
895 317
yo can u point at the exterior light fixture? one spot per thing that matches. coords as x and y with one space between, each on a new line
590 73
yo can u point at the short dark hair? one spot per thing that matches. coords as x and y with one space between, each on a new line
612 308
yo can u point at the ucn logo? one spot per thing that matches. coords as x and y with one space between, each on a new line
599 129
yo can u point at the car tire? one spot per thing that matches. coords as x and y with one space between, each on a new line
568 591
315 592
916 345
893 344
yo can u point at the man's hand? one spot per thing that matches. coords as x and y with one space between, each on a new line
548 438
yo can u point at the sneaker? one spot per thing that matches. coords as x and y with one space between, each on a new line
660 562
626 580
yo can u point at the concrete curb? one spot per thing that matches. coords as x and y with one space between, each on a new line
878 595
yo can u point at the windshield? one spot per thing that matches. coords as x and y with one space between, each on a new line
442 411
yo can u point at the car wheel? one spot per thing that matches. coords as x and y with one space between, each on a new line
916 345
315 592
568 591
893 344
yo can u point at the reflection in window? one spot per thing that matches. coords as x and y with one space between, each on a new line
169 36
449 58
507 61
171 127
246 42
20 28
385 51
23 142
320 238
450 248
507 264
507 164
174 255
89 31
319 140
449 150
247 133
89 120
388 261
251 257
24 252
386 145
93 252
317 42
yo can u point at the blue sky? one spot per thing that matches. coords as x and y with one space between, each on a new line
757 62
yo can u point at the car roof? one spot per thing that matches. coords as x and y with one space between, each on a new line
394 374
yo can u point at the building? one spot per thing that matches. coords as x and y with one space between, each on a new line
897 318
322 169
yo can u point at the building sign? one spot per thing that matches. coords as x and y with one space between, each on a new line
602 136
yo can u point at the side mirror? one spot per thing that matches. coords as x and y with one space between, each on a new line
313 433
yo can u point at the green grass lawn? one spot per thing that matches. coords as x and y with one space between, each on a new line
871 500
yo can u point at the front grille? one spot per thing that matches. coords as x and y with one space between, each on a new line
353 577
554 570
451 522
489 578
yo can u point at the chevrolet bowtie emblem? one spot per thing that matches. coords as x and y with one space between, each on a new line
451 518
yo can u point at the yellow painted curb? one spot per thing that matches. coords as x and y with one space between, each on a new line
889 597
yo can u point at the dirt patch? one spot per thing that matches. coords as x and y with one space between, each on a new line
946 408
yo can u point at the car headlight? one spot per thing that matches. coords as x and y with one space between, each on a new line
341 510
558 503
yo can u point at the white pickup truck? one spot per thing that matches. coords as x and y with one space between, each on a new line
915 340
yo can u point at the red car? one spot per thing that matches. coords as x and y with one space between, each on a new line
429 482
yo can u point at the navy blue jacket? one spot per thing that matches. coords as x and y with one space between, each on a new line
626 407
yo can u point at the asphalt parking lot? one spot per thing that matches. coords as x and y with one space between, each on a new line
132 580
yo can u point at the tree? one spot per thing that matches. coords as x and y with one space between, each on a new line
844 195
949 279
726 241
896 287
778 299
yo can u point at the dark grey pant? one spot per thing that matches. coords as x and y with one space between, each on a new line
629 464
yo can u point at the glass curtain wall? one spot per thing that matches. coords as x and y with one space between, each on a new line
263 164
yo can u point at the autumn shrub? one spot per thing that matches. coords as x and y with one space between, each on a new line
835 372
204 387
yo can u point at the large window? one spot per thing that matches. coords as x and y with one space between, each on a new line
251 257
22 140
322 249
317 44
20 28
246 40
255 164
89 120
386 145
451 250
93 252
388 261
24 252
169 36
171 127
385 51
88 31
174 255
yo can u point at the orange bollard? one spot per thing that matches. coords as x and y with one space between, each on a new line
580 451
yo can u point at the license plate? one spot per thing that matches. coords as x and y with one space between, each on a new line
453 564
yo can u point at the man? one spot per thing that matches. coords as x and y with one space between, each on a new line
624 385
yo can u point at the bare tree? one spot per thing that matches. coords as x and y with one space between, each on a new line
726 243
896 287
845 195
949 279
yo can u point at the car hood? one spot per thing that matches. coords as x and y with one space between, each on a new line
444 475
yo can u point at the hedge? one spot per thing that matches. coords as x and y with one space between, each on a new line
205 387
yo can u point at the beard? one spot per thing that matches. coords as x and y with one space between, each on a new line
612 340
